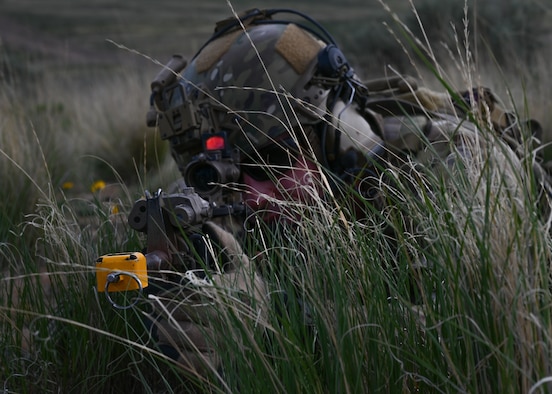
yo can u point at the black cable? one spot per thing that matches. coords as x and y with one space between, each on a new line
269 13
329 37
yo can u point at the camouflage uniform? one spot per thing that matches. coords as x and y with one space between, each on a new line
273 85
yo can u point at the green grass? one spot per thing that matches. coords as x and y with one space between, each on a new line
459 301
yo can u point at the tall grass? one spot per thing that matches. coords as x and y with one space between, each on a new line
445 290
58 138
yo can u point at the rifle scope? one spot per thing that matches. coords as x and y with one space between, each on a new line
207 174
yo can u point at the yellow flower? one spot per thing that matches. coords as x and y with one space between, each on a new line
67 185
97 186
115 209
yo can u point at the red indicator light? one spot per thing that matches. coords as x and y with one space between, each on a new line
215 142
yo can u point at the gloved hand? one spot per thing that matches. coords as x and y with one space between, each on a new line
188 317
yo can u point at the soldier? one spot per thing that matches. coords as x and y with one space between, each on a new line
289 119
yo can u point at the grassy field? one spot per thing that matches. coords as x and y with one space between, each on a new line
73 103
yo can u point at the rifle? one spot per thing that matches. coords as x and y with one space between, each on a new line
172 221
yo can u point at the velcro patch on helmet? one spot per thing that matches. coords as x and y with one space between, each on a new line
298 48
214 51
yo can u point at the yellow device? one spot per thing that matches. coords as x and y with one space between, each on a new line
121 272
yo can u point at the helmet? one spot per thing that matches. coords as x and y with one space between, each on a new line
253 82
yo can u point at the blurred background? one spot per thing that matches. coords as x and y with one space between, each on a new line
43 35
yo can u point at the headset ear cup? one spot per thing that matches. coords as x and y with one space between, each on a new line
331 61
